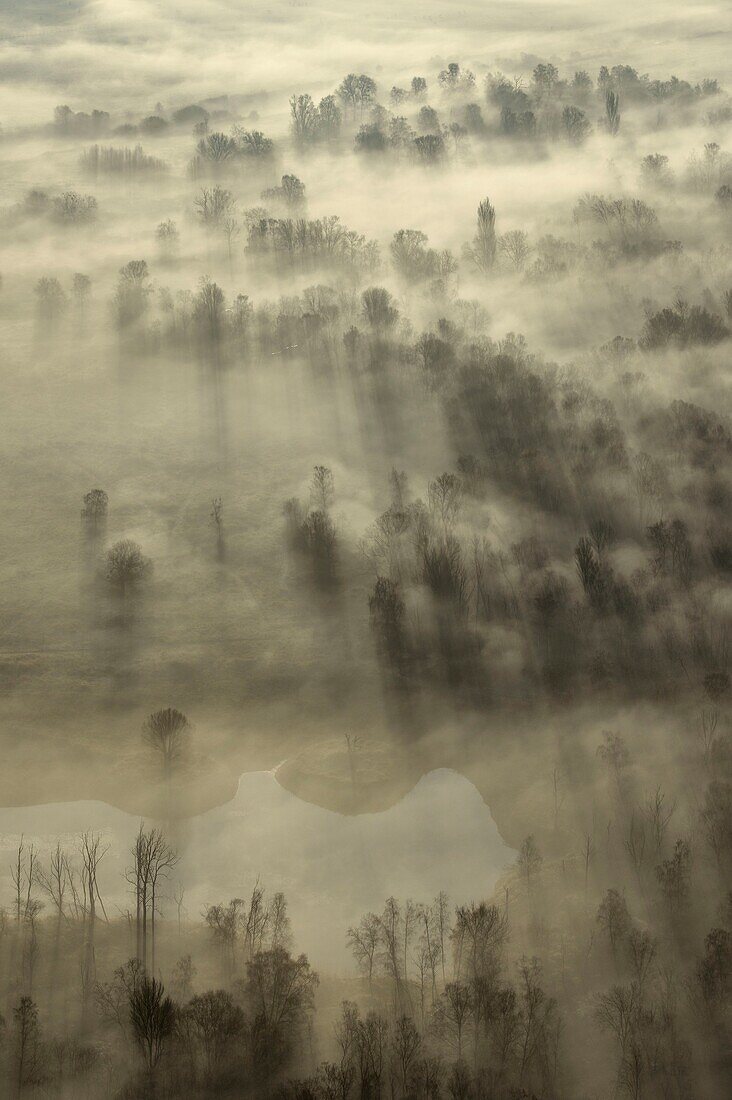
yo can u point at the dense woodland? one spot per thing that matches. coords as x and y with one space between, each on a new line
464 528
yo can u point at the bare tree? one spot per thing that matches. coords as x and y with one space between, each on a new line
216 1021
113 997
614 754
280 988
479 933
617 1012
483 250
441 910
92 852
166 731
708 721
213 205
81 289
453 1013
642 948
208 310
153 859
55 883
133 293
612 112
529 860
22 873
27 1052
224 922
613 917
30 941
537 1019
182 978
178 895
163 858
126 566
51 300
390 935
430 950
281 934
255 922
217 518
635 845
304 118
322 489
445 497
515 247
674 875
659 813
231 229
406 1046
168 238
152 1016
96 505
588 854
363 941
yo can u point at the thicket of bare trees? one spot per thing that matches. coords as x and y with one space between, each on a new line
78 1023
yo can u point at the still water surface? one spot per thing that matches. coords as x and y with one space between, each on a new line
332 868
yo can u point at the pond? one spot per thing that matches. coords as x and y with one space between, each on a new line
332 868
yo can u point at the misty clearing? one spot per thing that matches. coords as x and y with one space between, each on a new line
366 556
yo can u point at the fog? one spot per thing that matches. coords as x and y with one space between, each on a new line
366 550
439 836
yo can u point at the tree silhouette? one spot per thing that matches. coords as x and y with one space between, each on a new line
126 566
152 1017
166 732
